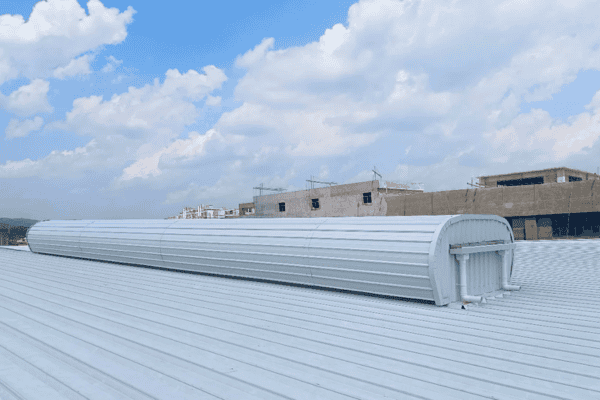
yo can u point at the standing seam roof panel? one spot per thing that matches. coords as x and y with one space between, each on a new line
80 329
405 257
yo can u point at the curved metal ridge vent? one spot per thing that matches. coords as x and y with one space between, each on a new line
442 259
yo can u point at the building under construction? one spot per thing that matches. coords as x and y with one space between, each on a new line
542 204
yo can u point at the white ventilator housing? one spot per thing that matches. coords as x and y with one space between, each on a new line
443 259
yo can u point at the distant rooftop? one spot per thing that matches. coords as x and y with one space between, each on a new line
537 177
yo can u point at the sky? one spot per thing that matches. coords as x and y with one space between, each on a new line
135 109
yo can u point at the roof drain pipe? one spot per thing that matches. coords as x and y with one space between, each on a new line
462 260
505 272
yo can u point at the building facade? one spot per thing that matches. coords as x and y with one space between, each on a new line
539 177
565 204
246 209
349 200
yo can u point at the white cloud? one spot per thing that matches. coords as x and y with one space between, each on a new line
56 32
442 82
539 138
57 163
112 64
28 99
18 128
434 61
295 132
213 101
77 66
231 183
158 111
253 56
182 148
449 71
595 103
135 128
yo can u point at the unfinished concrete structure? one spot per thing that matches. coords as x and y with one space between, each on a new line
539 177
246 209
350 200
544 204
545 208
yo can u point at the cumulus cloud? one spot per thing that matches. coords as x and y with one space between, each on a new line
136 128
57 163
28 99
454 73
191 147
412 58
253 56
77 66
112 64
158 111
440 84
451 72
213 101
232 179
594 105
18 128
103 157
539 138
295 132
57 32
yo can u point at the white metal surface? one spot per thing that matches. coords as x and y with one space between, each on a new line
463 254
395 256
76 329
18 248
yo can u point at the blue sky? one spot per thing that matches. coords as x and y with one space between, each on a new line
114 109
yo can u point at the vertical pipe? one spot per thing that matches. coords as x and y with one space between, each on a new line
505 271
462 260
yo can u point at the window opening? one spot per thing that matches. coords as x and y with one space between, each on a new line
522 182
315 203
281 207
367 198
574 179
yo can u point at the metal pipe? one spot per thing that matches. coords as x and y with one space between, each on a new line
505 272
462 261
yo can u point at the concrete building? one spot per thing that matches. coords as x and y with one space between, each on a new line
246 209
539 177
544 204
349 200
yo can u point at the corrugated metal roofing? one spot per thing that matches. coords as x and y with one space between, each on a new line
396 256
21 248
79 329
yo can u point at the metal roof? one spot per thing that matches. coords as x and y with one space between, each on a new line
21 248
74 329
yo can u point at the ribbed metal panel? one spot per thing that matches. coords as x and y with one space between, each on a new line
77 329
396 256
